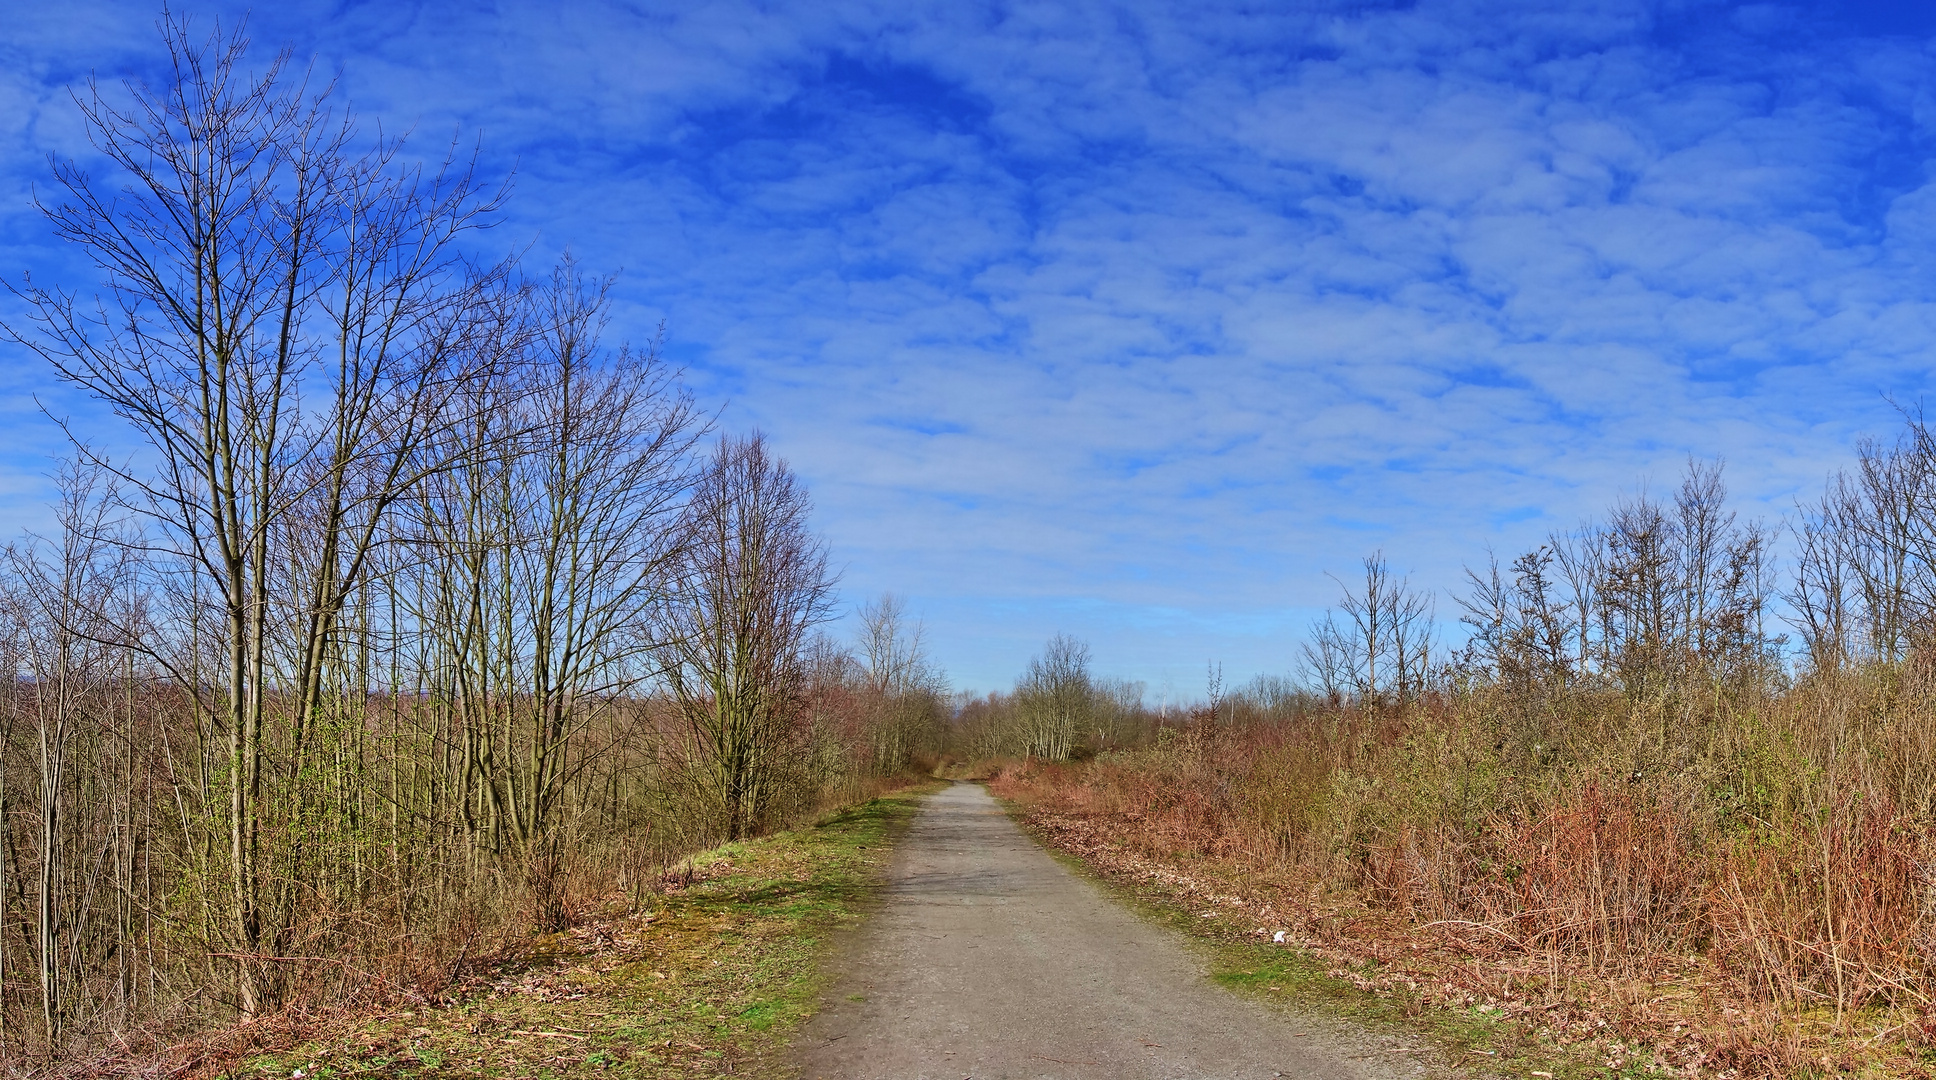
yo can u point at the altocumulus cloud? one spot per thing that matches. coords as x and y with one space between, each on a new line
1133 320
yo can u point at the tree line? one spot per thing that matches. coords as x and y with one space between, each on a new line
1661 599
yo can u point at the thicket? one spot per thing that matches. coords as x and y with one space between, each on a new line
1631 763
1057 711
419 618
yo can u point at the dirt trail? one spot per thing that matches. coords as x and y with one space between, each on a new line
987 959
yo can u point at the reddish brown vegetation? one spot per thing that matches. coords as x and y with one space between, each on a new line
1755 901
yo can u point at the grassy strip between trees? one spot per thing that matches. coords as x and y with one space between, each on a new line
708 978
1369 972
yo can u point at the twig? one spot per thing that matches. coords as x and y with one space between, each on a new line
1479 925
551 1035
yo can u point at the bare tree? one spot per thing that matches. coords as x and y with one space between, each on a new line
1117 712
1656 597
751 582
1523 632
905 688
893 651
1879 515
609 465
1055 698
1326 659
537 551
1637 592
376 619
69 614
1820 602
1369 629
543 546
1382 648
1581 556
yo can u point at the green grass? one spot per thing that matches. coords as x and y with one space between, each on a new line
711 981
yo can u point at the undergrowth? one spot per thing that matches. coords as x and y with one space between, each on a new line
1731 887
706 976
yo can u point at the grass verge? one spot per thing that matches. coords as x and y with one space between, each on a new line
709 980
1368 987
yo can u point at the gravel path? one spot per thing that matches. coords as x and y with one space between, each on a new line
988 960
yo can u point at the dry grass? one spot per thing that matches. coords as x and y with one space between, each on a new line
1740 888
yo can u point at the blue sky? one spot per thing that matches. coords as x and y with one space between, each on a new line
1132 321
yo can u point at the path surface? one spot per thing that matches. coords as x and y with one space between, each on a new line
987 959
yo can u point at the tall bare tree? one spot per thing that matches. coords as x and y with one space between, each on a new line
752 583
540 551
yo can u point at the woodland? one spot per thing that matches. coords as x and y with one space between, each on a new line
419 616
